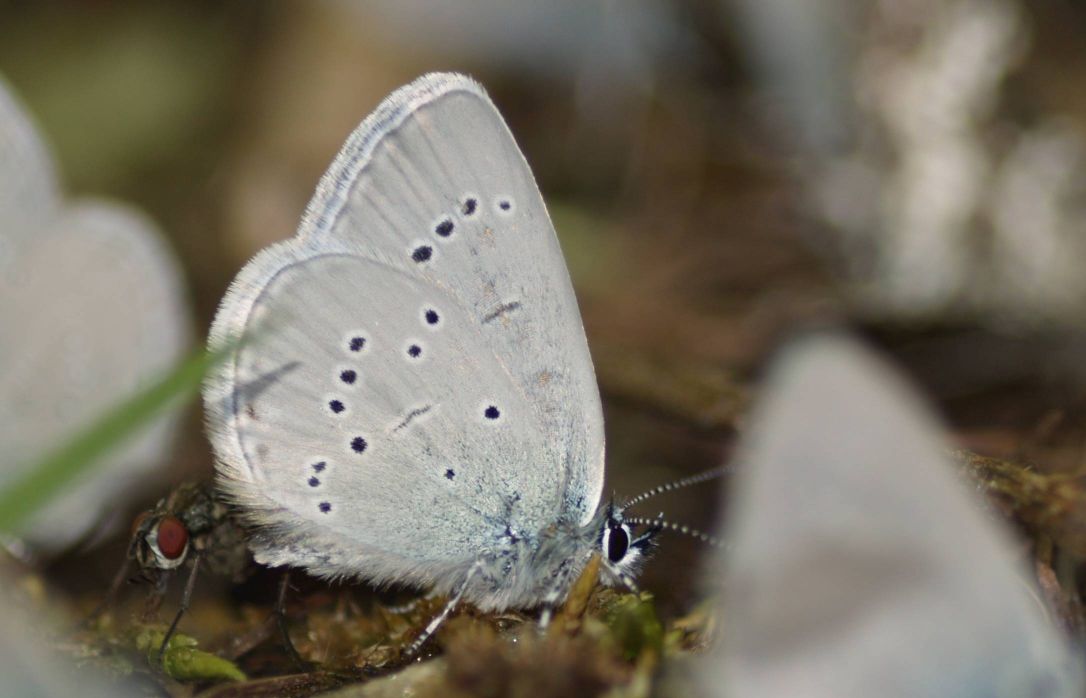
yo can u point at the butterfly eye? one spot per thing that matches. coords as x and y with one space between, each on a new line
616 543
173 537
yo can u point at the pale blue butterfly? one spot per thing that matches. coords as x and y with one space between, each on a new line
409 395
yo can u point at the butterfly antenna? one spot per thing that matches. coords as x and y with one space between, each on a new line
678 484
660 523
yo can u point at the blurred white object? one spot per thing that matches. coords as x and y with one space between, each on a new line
860 565
27 182
92 309
801 52
928 80
940 198
29 667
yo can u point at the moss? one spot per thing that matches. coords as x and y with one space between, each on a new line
183 661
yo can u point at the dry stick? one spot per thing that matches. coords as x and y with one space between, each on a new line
576 602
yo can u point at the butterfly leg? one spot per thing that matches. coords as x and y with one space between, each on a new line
629 583
186 597
554 596
403 608
551 601
436 622
280 613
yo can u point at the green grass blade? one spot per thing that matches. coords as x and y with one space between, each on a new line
29 493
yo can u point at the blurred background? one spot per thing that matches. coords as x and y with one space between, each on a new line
721 175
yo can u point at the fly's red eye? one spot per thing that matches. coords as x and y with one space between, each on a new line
172 537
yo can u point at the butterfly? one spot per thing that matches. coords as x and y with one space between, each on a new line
408 395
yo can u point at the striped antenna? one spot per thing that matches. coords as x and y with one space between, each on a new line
677 528
678 484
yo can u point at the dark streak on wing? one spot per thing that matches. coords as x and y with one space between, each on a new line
417 412
501 310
